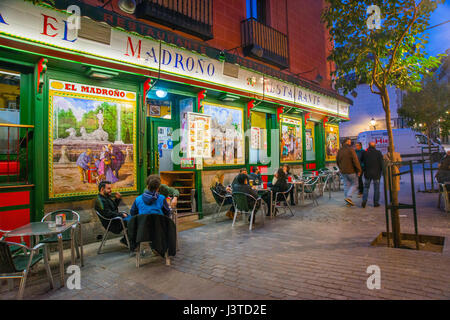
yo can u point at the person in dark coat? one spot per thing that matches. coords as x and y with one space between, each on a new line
350 169
372 160
255 176
241 171
109 208
155 228
243 186
359 153
280 185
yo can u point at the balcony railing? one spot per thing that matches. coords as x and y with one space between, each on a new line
264 43
14 154
191 16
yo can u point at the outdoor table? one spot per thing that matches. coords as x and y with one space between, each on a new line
36 229
262 190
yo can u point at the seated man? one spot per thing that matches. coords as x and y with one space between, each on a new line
109 208
151 202
255 176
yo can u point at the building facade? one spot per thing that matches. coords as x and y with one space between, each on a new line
178 90
367 112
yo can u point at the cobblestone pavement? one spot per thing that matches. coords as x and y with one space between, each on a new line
320 253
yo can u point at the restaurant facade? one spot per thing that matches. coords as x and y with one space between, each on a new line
117 99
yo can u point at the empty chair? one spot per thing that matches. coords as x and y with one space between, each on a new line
68 235
310 187
19 265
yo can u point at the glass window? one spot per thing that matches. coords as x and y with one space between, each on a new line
421 139
309 142
258 138
332 142
227 134
291 139
9 108
257 9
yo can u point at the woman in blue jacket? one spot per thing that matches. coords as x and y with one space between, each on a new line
151 202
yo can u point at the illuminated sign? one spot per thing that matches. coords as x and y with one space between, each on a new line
20 19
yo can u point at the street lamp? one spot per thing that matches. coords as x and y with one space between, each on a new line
373 123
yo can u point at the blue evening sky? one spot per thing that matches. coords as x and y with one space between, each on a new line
439 37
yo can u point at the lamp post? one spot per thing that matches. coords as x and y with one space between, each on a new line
373 123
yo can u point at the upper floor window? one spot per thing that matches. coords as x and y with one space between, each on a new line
257 9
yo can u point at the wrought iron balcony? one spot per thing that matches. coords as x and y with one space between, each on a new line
264 43
191 16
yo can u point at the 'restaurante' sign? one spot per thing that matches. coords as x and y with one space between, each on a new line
20 19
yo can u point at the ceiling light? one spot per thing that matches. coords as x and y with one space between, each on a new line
161 93
101 74
228 97
127 6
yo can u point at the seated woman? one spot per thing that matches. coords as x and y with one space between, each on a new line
280 185
287 171
151 202
217 186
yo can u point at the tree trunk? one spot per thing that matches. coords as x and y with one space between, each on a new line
394 180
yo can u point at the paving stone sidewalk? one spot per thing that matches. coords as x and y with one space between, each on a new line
322 252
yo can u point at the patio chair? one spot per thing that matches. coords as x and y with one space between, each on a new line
140 232
19 265
281 201
13 248
220 200
68 235
240 202
310 187
327 180
110 221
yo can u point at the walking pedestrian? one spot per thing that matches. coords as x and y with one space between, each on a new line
359 153
348 164
372 161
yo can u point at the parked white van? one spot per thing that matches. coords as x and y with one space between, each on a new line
407 142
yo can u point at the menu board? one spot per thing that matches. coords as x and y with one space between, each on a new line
199 142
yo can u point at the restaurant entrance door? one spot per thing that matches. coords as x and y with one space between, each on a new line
161 146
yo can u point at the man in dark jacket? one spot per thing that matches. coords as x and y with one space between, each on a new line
350 169
109 208
373 166
359 153
243 187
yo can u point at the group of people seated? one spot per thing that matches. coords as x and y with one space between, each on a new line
247 183
156 199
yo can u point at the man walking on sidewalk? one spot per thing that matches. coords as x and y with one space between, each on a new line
359 153
350 168
372 161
